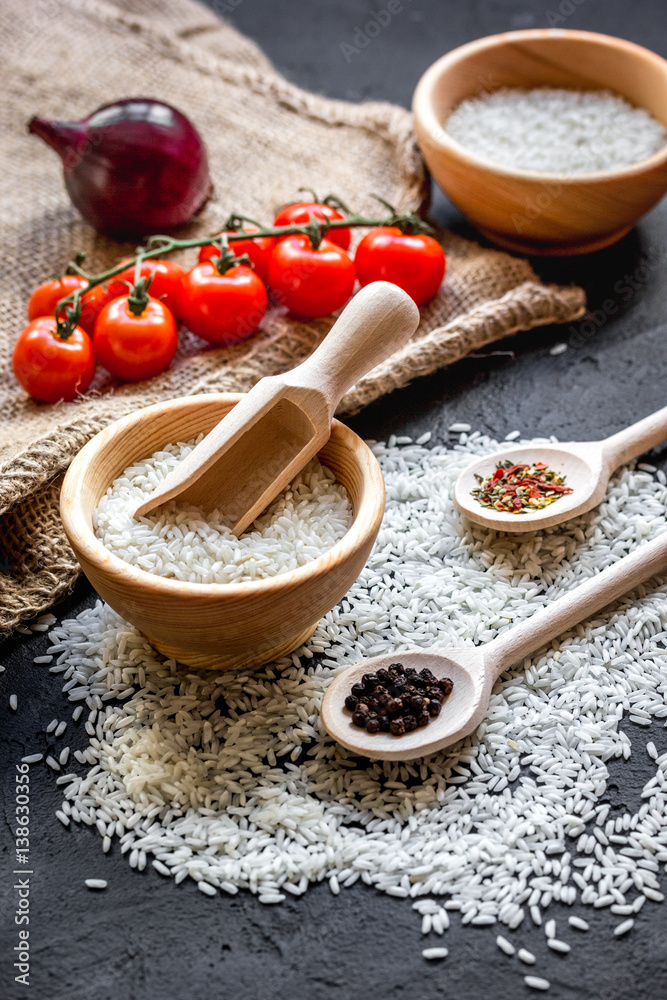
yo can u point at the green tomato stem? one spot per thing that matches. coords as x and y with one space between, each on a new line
159 246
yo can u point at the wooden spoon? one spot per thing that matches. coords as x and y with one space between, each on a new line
586 466
258 448
474 670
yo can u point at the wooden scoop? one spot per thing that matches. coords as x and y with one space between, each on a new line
258 448
474 670
586 466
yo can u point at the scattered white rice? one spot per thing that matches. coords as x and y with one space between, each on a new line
623 928
561 946
578 922
459 428
303 522
229 779
435 953
536 983
13 702
558 349
506 946
556 131
33 758
96 883
60 729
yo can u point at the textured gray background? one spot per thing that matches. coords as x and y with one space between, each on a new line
144 939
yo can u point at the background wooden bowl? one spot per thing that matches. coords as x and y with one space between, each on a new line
537 212
221 626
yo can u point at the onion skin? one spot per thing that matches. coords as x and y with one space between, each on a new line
133 167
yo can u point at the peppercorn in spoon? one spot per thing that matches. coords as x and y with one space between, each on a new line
473 670
583 468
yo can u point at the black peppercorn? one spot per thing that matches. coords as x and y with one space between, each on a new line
369 680
445 686
395 705
434 708
397 727
417 704
373 726
358 689
359 719
351 702
385 723
410 723
423 719
382 675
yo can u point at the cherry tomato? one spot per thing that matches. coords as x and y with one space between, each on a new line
50 368
301 211
223 308
166 284
44 299
135 347
259 251
311 282
416 263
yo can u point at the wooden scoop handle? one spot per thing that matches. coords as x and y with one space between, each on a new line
628 443
375 323
556 618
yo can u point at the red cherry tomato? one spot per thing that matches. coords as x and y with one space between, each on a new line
223 308
416 263
50 368
44 299
300 213
135 347
259 251
311 282
166 284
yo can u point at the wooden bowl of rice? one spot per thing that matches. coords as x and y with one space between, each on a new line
212 625
538 212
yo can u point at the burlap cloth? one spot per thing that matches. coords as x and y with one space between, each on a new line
266 138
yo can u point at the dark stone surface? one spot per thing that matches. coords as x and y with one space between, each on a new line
144 939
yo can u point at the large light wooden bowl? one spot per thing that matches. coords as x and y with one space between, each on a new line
219 626
534 212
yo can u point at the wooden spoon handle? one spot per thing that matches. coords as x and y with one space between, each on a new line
554 619
632 441
377 321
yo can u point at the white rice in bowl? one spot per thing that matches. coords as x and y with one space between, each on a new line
186 544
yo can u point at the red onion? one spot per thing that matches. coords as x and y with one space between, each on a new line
134 167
